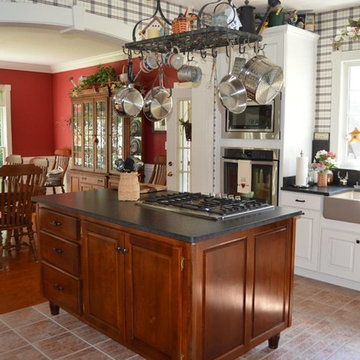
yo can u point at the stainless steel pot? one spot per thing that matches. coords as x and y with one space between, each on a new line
232 92
128 101
263 80
158 101
157 104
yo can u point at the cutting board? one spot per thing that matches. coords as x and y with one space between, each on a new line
146 188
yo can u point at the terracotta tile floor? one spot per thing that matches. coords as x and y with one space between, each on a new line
326 325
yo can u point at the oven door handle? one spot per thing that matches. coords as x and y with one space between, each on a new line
253 162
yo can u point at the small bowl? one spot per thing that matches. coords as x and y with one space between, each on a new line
248 195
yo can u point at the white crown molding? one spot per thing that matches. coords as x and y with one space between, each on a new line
71 65
9 65
91 61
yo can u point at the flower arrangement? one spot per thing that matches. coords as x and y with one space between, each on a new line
351 32
324 161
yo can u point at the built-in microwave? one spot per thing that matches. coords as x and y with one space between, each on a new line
256 122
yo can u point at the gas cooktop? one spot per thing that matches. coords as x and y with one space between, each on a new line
206 206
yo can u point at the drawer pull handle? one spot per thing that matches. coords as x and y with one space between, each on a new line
118 249
100 181
57 251
124 251
55 223
297 200
357 241
58 287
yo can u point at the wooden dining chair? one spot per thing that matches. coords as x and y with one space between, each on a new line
18 183
13 160
62 158
43 163
158 175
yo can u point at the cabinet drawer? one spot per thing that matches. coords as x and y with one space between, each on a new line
300 200
93 180
61 253
59 224
60 288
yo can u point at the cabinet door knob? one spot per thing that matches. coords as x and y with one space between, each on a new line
170 173
55 223
57 251
58 287
118 249
357 241
125 251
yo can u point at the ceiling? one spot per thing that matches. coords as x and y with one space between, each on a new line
44 49
47 50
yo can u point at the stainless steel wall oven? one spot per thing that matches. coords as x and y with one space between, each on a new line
264 172
256 122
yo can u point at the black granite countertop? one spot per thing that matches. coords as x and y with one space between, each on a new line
314 189
104 205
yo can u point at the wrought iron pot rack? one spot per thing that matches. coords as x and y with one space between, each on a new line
202 38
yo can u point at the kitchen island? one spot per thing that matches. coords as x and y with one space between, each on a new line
166 285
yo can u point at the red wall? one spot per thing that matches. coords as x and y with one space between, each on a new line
41 107
31 111
154 143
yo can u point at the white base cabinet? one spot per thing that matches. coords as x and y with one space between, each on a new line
326 250
307 227
307 240
340 254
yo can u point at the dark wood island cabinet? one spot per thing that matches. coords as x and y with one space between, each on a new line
168 286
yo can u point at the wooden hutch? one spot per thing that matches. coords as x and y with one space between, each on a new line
100 136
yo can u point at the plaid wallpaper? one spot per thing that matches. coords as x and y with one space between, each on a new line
128 11
327 24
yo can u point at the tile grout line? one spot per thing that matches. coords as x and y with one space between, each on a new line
31 344
70 331
50 337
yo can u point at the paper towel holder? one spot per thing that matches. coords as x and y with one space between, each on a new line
305 183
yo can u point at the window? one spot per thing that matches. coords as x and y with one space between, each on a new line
345 113
5 123
184 145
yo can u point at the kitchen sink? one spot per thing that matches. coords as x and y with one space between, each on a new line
343 207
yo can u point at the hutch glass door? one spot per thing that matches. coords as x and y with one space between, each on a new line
99 136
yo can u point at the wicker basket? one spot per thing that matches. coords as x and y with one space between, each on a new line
129 187
180 24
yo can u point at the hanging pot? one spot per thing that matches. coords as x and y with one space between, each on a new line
158 101
128 101
232 92
263 80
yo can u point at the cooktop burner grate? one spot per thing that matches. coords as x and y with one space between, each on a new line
205 206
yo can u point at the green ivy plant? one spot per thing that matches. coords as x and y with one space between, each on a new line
104 76
101 77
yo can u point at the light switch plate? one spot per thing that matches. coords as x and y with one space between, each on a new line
321 136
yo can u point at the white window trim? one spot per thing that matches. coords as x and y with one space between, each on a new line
6 89
340 63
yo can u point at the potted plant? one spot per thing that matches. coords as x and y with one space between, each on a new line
105 76
187 128
323 163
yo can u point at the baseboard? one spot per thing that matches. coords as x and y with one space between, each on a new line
327 278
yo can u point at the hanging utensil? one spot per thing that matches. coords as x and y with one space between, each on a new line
232 92
128 100
158 101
